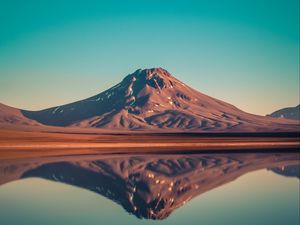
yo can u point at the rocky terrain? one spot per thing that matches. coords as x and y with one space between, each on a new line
149 100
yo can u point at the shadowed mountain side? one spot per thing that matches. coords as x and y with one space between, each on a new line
152 99
292 113
288 171
149 186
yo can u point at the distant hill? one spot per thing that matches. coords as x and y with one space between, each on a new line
292 113
288 171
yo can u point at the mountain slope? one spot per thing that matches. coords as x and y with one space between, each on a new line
14 116
292 113
152 99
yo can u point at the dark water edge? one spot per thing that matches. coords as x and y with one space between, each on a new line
214 151
193 134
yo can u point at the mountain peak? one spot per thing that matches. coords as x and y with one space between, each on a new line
157 78
158 71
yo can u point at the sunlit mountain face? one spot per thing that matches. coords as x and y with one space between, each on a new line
151 100
149 186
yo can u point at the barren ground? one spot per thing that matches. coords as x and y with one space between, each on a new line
27 144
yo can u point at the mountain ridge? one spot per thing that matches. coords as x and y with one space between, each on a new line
292 113
153 99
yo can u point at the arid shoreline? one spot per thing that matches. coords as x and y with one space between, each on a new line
20 144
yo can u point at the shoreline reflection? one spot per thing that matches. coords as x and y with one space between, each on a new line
149 186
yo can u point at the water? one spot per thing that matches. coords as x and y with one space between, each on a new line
151 189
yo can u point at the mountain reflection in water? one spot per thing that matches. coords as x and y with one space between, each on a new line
149 186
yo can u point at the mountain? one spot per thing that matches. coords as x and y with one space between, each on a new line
288 171
152 99
14 116
292 113
147 186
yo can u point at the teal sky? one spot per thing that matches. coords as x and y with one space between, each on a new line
243 52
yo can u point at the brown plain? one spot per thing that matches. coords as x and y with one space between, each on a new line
27 144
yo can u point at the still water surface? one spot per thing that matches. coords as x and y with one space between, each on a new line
167 189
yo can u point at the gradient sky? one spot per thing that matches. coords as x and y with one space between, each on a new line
243 52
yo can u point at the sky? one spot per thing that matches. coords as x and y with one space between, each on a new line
243 52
